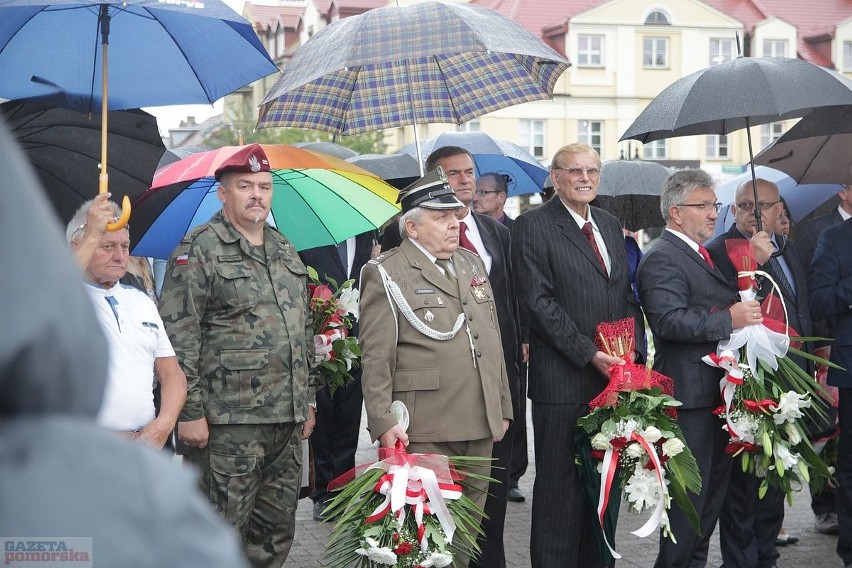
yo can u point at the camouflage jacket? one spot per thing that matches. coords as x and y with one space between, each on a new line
241 326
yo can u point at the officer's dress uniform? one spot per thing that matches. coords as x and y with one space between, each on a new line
456 390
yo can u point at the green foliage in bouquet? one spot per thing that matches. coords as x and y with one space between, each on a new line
363 538
334 309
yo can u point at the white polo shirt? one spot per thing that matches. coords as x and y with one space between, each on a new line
136 337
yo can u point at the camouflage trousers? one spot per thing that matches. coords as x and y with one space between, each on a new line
252 473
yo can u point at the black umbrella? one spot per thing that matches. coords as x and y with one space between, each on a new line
817 150
64 147
630 190
739 94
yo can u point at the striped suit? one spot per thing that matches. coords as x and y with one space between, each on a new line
565 294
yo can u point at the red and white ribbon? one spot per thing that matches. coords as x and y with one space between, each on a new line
733 378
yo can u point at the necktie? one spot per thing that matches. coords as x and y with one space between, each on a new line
590 236
445 264
112 304
344 257
706 256
778 274
463 240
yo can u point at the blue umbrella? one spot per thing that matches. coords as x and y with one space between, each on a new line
524 173
801 199
162 53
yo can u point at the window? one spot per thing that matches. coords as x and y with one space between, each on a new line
655 52
721 50
279 49
771 132
657 18
589 132
717 147
655 150
775 48
471 126
532 137
590 50
847 55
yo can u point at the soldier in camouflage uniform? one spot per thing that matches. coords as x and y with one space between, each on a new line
235 305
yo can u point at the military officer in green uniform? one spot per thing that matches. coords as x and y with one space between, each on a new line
430 337
235 304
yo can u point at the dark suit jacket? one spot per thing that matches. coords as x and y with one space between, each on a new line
686 304
806 240
830 283
507 221
798 310
565 294
326 262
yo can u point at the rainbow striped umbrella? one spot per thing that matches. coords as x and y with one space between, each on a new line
317 199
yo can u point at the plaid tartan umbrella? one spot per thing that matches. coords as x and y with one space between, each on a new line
424 63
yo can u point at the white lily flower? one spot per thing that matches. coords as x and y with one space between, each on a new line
348 301
789 407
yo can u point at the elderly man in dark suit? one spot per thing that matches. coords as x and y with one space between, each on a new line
570 271
691 306
808 234
749 526
489 239
830 284
335 437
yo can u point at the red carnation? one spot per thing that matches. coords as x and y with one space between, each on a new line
402 548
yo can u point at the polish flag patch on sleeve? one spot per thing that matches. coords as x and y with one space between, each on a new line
182 260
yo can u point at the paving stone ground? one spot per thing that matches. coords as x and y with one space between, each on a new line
814 550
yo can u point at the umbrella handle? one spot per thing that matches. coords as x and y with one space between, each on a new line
121 222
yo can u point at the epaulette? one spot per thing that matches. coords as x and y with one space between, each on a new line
191 235
383 256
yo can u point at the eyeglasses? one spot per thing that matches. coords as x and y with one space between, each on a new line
703 207
481 192
764 205
577 172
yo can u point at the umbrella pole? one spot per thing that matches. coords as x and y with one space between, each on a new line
103 185
757 215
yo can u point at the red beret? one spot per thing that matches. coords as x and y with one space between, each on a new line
249 159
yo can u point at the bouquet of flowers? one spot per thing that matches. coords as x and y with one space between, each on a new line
631 445
405 510
765 395
335 309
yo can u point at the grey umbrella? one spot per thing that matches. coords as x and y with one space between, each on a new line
399 170
630 190
739 94
816 150
330 148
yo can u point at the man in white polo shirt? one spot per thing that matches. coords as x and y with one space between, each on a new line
138 343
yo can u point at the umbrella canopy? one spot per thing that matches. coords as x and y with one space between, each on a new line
524 173
630 190
160 53
317 200
64 148
403 65
818 149
330 148
736 94
801 199
399 170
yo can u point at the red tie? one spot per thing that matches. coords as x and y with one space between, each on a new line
706 255
463 240
590 236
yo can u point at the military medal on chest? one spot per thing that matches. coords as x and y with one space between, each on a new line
429 316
